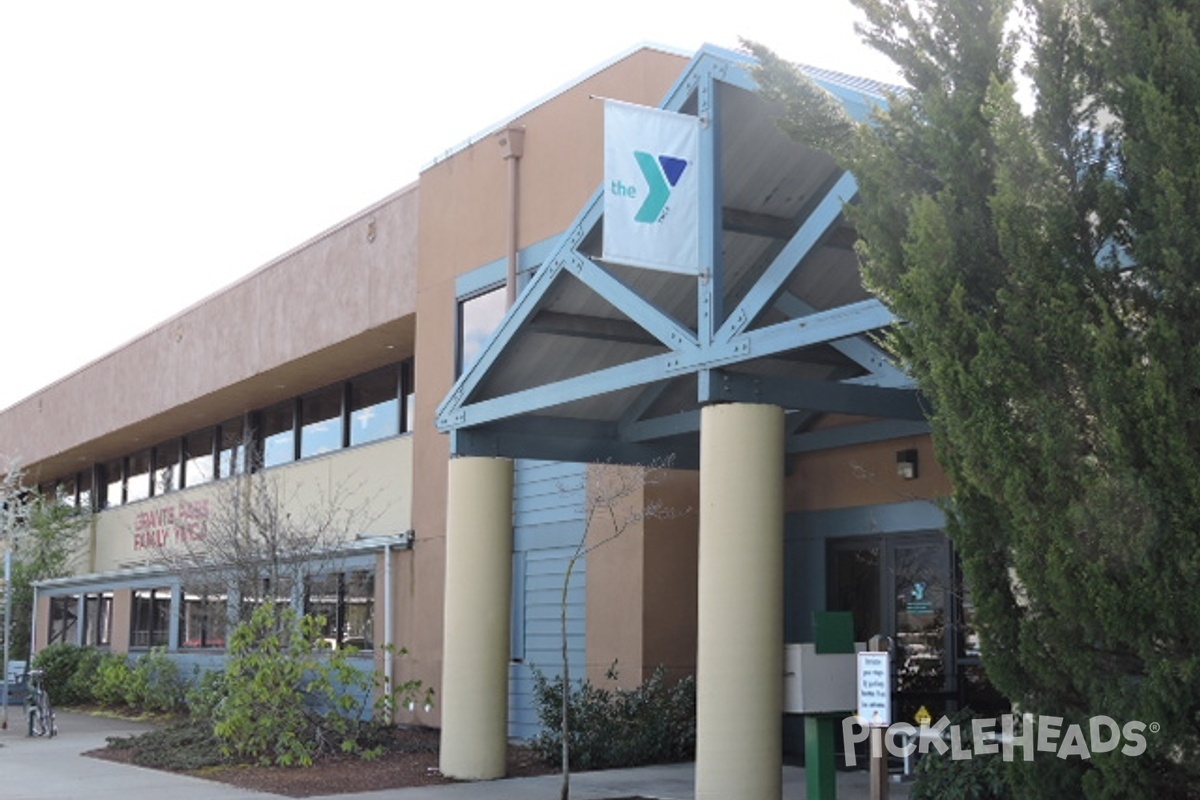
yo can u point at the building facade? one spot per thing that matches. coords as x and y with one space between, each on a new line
455 371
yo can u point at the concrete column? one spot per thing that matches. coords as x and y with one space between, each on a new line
474 692
739 675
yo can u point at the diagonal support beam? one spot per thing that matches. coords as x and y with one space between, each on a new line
861 352
630 303
821 327
526 305
816 329
785 264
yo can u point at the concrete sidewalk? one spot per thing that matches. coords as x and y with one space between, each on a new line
53 769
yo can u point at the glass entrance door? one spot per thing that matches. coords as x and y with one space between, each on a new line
900 586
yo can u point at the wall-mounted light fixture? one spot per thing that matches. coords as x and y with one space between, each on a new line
906 464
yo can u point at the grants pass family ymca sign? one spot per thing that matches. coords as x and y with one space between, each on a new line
186 521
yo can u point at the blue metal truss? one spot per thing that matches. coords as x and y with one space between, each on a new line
522 422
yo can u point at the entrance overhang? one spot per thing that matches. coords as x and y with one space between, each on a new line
598 361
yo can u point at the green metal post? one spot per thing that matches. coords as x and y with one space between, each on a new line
820 769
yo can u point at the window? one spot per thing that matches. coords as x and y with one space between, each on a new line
205 615
366 408
231 458
137 477
346 601
260 591
408 373
478 316
167 472
97 619
84 485
198 457
67 493
64 614
278 434
151 625
374 406
321 421
112 483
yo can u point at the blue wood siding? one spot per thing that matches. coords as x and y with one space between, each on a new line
548 508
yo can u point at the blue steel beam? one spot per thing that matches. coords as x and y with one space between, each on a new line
525 305
882 372
524 444
630 303
813 395
645 399
816 329
789 259
661 427
824 326
847 435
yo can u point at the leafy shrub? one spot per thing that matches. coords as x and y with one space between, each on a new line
982 777
112 676
653 723
205 694
288 699
155 684
60 662
79 687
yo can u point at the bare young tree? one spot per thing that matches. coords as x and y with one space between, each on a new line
260 535
39 539
614 502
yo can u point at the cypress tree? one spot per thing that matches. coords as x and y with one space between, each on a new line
1044 256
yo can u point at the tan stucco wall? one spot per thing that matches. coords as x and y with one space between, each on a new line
863 475
464 225
641 585
122 613
671 572
615 579
328 309
375 479
42 630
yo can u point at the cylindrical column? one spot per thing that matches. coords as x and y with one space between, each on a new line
739 676
479 542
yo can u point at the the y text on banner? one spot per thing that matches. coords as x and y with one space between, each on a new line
651 188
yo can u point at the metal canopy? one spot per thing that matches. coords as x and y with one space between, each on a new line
597 361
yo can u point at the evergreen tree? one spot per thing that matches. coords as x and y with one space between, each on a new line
1046 265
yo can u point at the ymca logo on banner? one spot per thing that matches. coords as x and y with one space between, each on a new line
651 188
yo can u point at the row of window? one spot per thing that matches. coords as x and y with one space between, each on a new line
346 600
368 407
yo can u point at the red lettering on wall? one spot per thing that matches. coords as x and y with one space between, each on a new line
186 521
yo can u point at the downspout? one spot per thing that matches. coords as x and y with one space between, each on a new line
389 679
512 148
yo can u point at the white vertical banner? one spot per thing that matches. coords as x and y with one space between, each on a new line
651 188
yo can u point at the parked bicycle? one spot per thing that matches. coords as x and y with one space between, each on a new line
37 706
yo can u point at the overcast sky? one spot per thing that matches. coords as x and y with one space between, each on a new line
154 152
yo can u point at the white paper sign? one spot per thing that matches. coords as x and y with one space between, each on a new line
874 689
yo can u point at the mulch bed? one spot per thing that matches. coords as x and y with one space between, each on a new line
410 760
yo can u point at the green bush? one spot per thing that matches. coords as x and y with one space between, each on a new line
148 683
112 676
982 777
288 699
79 687
654 723
155 684
205 694
60 662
